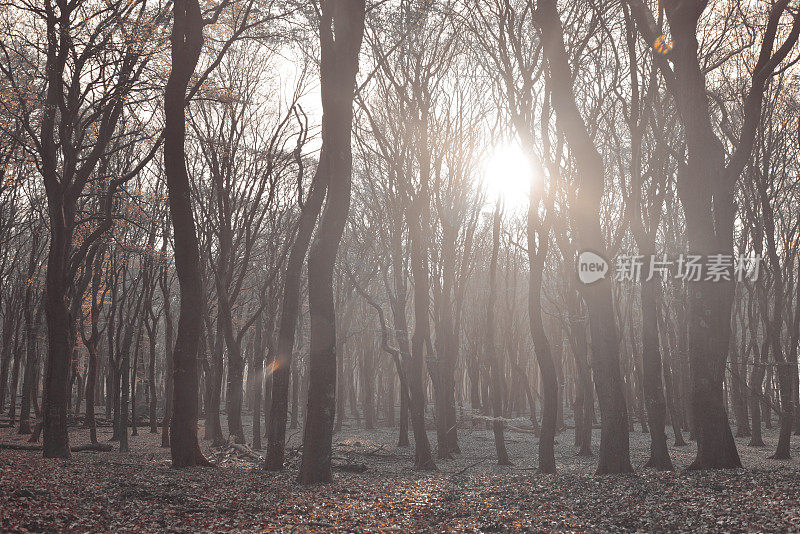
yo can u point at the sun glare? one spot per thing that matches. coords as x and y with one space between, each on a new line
507 174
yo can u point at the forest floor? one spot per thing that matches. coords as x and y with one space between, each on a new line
138 491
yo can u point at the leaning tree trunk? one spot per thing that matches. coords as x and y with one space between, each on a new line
282 365
338 68
538 247
187 42
614 445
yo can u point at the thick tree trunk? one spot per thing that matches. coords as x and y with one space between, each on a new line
59 355
614 445
338 68
187 42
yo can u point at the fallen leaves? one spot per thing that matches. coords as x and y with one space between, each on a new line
109 491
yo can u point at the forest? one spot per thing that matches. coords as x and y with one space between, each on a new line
399 265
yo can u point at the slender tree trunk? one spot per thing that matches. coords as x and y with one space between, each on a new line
91 346
756 382
12 390
538 247
276 439
168 362
398 305
492 349
125 359
214 393
9 325
669 383
134 371
368 383
233 400
652 371
256 374
152 332
32 325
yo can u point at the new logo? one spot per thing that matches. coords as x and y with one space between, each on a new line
591 267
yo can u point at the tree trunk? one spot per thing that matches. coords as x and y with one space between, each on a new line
29 376
213 430
168 362
151 375
494 358
233 400
282 366
187 42
651 363
125 359
9 324
91 346
756 381
338 68
538 247
614 445
59 355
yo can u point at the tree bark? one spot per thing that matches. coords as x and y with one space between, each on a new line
338 68
544 357
614 445
290 310
494 358
186 44
32 324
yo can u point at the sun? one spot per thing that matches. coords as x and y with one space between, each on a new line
507 175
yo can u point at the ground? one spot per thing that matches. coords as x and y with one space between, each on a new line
138 491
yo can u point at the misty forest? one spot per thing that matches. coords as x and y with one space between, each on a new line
402 265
